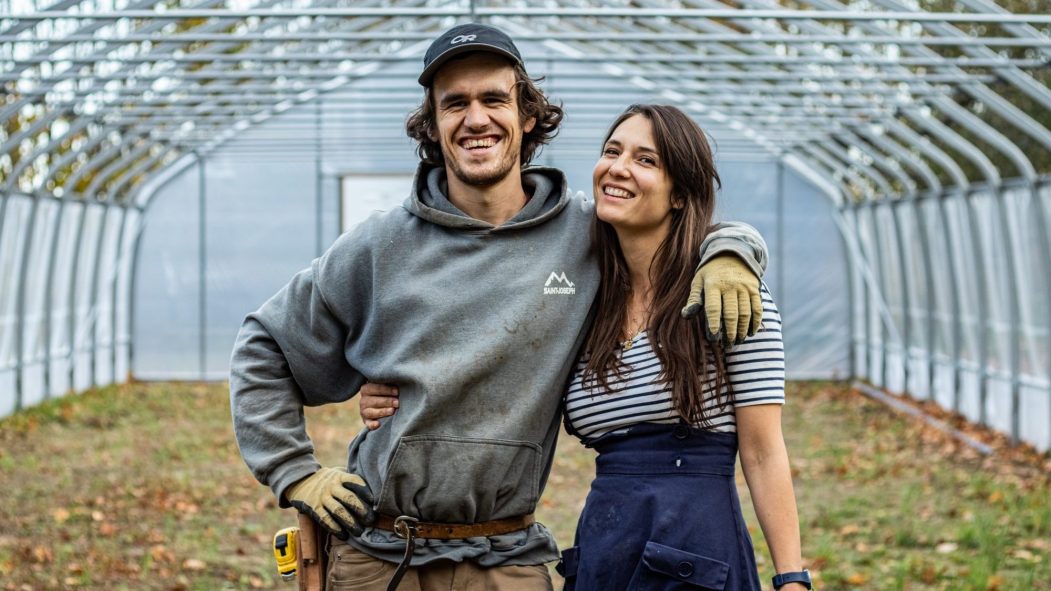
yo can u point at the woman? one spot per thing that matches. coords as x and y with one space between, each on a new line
666 410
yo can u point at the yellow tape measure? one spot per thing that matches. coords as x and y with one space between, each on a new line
286 547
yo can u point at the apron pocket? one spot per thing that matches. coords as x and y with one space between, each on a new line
668 569
567 567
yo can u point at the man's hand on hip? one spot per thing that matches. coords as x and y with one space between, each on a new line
338 500
730 292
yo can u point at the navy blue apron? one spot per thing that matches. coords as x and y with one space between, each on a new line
662 514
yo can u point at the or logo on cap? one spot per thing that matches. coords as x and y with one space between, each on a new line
463 38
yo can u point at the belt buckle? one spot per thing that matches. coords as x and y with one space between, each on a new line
405 527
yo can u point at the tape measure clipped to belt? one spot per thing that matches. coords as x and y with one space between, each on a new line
286 549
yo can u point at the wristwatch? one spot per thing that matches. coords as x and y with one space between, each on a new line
797 577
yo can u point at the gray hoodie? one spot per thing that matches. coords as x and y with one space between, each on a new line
477 326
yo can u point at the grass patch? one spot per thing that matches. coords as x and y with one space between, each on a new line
141 487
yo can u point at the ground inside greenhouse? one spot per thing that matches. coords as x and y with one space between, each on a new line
141 487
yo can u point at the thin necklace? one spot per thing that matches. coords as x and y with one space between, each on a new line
630 341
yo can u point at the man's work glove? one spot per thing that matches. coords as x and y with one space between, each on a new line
335 498
730 293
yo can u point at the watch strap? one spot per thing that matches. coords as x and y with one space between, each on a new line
783 579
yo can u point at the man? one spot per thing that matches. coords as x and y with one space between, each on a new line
472 299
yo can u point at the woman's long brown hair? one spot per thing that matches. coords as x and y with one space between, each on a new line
690 364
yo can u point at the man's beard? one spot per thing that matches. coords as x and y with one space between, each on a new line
483 178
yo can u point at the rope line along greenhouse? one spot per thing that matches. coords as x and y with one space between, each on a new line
925 123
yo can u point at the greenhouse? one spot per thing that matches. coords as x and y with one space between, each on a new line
167 166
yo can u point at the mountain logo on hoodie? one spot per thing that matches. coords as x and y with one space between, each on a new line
563 286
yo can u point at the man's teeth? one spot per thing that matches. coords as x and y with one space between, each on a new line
615 192
480 143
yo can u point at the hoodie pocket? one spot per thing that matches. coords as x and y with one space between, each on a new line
460 479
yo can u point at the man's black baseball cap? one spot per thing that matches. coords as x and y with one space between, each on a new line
462 39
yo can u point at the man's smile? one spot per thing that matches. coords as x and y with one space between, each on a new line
479 143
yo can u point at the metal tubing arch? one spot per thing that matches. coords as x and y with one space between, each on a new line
860 91
906 295
962 184
104 174
572 13
968 149
102 155
983 130
69 157
621 58
862 186
744 121
868 170
931 150
223 95
47 149
930 286
85 28
1035 42
1017 78
232 42
71 294
902 155
655 72
814 26
20 300
956 142
267 110
49 282
964 117
842 108
14 107
993 100
832 4
881 160
26 99
115 293
93 294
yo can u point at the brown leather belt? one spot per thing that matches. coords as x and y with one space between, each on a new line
459 531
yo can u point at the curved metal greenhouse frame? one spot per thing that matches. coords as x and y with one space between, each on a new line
927 130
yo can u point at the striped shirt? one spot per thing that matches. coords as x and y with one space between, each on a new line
755 371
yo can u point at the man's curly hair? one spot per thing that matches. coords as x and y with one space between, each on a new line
422 124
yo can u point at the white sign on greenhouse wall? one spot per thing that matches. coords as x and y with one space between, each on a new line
364 194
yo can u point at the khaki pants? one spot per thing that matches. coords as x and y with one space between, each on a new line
350 569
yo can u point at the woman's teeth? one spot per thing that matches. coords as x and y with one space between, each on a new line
619 193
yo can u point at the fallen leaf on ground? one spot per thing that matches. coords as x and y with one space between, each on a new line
1024 554
849 529
42 554
194 564
161 554
857 579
